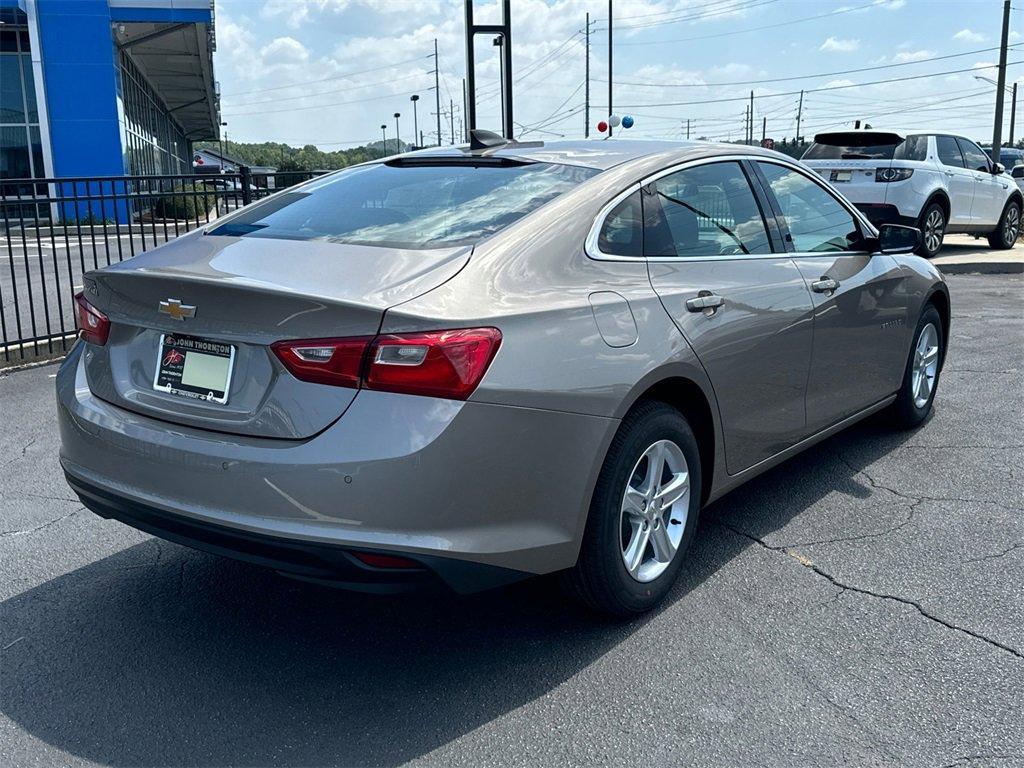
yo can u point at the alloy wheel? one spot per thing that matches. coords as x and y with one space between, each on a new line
1011 225
654 510
925 366
934 227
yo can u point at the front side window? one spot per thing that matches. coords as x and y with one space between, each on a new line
622 231
949 152
816 220
975 159
408 206
707 210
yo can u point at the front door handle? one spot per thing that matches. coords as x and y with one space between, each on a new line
705 302
825 285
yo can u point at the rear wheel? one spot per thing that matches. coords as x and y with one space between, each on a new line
921 377
642 516
933 228
1005 235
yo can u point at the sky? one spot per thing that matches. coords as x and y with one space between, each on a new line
331 72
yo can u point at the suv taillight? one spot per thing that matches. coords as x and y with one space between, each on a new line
893 174
93 325
448 364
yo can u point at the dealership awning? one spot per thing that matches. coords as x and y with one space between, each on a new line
177 59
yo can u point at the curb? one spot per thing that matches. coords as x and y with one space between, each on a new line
982 268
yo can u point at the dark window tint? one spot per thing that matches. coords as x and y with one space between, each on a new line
911 148
423 206
949 152
622 231
708 210
816 220
976 159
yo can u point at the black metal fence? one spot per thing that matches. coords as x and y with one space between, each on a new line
54 230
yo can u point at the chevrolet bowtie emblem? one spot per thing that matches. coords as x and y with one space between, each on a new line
176 309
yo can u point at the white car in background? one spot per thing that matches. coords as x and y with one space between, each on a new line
938 181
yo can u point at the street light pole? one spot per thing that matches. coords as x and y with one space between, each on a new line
384 139
398 134
415 120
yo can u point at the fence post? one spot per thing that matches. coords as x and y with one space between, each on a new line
246 184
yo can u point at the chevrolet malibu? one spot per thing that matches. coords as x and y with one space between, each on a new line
469 365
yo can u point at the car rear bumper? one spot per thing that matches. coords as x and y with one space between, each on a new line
472 483
885 213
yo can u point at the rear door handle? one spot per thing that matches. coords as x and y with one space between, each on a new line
705 302
824 285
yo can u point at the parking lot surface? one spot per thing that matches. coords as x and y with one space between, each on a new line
862 604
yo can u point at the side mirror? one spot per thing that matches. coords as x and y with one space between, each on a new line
998 168
896 238
1017 172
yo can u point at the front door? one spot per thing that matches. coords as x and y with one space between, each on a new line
743 308
860 322
989 190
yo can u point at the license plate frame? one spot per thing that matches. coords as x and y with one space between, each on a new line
842 176
172 357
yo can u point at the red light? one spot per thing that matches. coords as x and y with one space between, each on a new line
378 560
337 362
93 325
446 364
602 126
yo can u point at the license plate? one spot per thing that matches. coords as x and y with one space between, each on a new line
842 175
196 368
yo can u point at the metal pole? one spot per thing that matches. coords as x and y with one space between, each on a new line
687 129
610 106
751 117
1013 113
398 134
451 116
506 49
586 92
764 128
464 120
469 83
437 90
384 139
799 113
997 130
415 120
499 42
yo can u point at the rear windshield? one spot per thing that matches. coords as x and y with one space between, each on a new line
431 206
912 148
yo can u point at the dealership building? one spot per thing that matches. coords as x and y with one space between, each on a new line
94 88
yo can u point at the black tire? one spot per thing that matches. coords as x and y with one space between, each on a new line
600 578
909 411
933 217
1004 236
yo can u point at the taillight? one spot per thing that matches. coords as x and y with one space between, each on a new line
893 174
93 325
448 364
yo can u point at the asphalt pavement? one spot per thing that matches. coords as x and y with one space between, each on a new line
861 605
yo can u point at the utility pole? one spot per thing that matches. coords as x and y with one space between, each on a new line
997 131
610 108
751 117
764 129
746 124
586 92
799 113
451 116
1013 113
437 91
687 129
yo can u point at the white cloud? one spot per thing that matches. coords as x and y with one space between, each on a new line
906 56
969 36
839 45
284 50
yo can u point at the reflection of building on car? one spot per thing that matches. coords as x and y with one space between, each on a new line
940 182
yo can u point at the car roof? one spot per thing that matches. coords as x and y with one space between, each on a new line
897 130
599 154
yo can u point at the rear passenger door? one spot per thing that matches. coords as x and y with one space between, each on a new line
737 297
860 323
959 180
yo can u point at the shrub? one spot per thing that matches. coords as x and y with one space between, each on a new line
183 202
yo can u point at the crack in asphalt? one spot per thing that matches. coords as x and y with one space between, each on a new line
41 526
997 555
810 565
965 759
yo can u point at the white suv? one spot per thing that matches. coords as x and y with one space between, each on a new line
934 180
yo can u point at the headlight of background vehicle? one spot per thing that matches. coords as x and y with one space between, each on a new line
893 174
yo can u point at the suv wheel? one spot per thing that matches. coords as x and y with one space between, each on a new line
642 516
1005 235
933 228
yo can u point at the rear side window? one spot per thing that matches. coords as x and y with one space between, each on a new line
817 222
975 159
707 210
949 152
852 147
406 206
622 231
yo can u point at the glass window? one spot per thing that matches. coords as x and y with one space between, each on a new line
14 153
949 152
12 103
622 231
856 147
707 210
817 222
404 206
975 159
30 88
